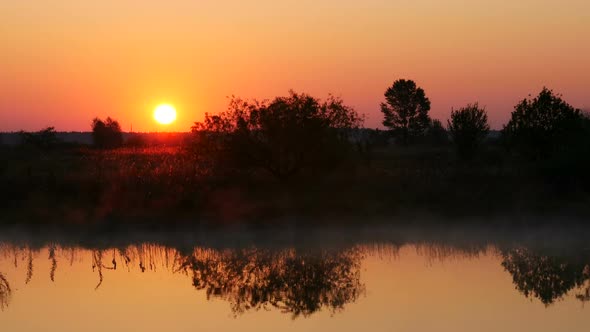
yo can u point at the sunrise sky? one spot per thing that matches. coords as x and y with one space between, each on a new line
63 62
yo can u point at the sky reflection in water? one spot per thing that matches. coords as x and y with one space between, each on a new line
412 286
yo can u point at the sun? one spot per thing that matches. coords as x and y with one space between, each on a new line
165 114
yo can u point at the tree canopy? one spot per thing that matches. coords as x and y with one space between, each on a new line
106 134
283 136
468 127
542 126
405 110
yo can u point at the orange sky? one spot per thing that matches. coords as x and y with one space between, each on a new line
63 62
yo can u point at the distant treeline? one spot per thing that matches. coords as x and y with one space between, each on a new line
539 127
302 156
74 138
84 138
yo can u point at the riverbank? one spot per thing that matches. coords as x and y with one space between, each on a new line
165 188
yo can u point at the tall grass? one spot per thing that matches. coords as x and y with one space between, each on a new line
166 186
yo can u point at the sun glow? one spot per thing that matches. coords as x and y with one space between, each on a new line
165 114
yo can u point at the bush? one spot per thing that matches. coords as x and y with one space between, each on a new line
43 139
106 134
284 137
437 134
468 127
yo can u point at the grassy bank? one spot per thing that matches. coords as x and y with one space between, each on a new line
165 186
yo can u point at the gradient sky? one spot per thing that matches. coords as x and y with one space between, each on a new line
63 62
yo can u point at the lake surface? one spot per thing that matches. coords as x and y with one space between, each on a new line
329 280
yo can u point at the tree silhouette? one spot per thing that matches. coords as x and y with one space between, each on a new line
406 110
284 136
547 278
106 134
543 126
468 127
299 284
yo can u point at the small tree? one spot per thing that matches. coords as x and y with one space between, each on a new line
544 126
284 136
468 127
406 110
106 134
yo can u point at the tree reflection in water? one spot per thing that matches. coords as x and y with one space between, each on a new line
301 282
547 277
5 292
296 283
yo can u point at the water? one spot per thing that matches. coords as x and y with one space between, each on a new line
377 280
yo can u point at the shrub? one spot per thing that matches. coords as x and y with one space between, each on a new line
468 127
437 134
106 134
43 139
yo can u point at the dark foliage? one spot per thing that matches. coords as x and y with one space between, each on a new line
299 284
284 137
544 126
406 110
5 292
106 134
437 134
43 139
547 278
468 127
556 136
136 141
229 174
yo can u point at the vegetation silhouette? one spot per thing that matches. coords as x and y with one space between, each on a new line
284 136
544 126
136 141
405 111
106 134
554 135
301 282
295 283
329 168
546 277
53 260
43 139
436 134
98 265
468 128
29 275
5 292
